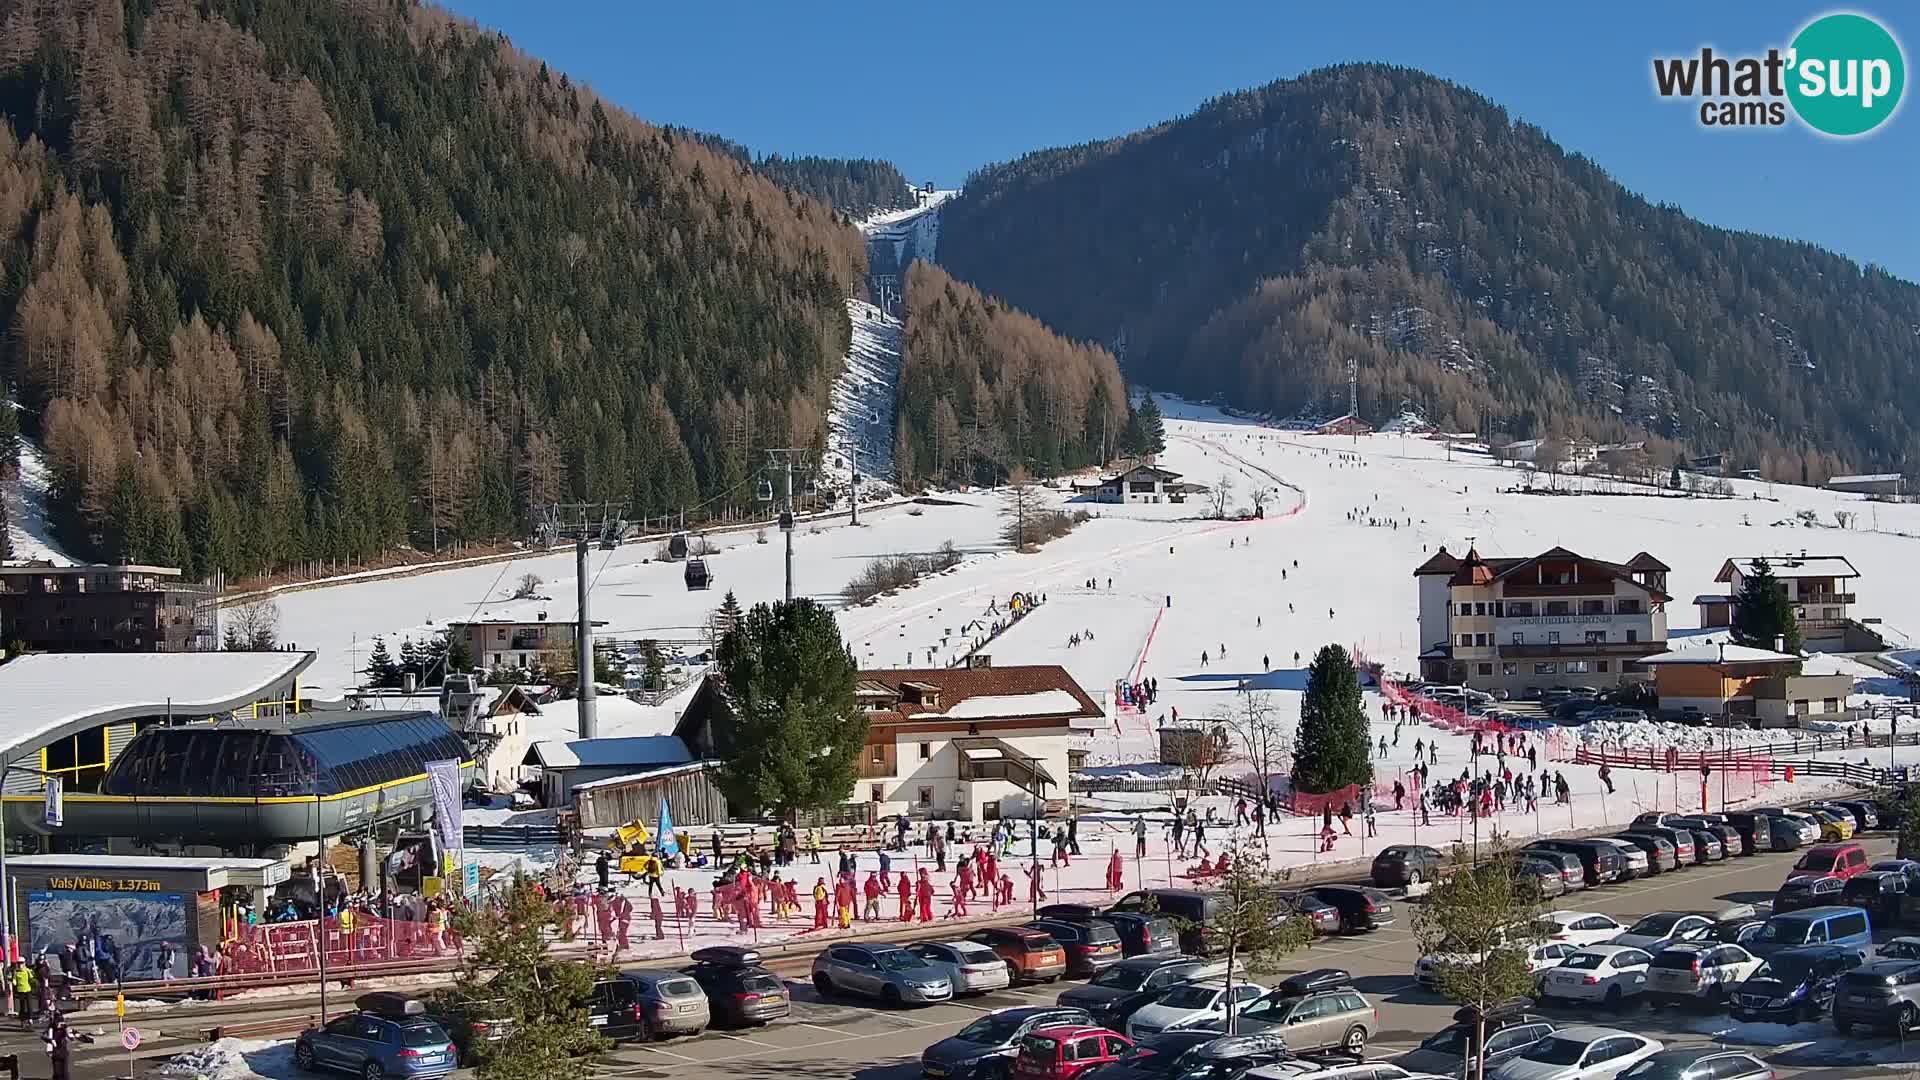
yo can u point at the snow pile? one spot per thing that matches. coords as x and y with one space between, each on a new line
27 524
1658 735
861 416
234 1059
1040 703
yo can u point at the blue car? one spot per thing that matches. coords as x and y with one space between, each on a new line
389 1036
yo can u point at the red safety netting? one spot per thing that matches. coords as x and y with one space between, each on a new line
293 946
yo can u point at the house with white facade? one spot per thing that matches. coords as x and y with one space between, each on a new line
1556 619
516 643
973 743
1140 484
1820 587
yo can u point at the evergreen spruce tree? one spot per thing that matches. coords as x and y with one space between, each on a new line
433 660
1133 437
1674 480
458 657
788 685
1762 615
508 973
1331 748
9 437
410 659
1153 428
382 672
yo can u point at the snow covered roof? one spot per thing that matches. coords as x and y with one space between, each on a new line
644 774
602 753
1709 654
1044 691
1790 566
1038 703
220 872
1865 478
45 694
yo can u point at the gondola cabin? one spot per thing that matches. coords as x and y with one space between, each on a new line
677 547
697 575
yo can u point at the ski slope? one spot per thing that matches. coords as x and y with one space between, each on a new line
26 498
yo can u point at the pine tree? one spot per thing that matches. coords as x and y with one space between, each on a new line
1153 428
1331 749
382 672
508 973
410 659
788 685
1674 480
458 657
1762 614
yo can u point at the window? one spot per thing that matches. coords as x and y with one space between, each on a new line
1509 668
926 751
1519 638
1466 640
876 793
1553 637
1851 925
500 633
1480 640
1546 667
1466 609
1593 607
1831 705
1596 637
1558 607
1627 606
1633 636
926 796
877 754
1486 669
1481 609
1576 667
1520 609
1601 666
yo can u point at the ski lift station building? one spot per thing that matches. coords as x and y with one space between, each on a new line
208 753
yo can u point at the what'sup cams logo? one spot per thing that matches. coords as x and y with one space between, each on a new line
1842 76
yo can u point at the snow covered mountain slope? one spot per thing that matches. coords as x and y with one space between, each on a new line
26 499
861 417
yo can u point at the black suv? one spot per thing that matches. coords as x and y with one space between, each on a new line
1600 863
1509 1032
1406 864
1793 985
1361 908
739 990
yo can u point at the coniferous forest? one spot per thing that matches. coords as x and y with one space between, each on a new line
985 389
308 279
1469 267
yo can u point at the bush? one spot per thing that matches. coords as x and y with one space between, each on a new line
1042 526
897 572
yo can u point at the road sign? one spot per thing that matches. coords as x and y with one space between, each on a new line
130 1038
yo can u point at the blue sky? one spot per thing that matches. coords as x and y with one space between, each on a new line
941 89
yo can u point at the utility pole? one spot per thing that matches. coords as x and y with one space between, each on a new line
1353 396
853 484
585 690
783 460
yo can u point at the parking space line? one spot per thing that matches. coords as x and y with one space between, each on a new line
744 1039
671 1054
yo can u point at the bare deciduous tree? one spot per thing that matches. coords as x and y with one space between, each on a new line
527 587
1221 497
1254 724
253 626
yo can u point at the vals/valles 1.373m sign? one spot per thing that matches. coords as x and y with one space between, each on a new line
1843 75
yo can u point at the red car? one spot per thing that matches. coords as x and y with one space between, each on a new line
1831 860
1061 1053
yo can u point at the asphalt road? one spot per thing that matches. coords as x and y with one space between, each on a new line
844 1039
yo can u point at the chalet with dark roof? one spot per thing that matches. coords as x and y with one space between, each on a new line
1558 618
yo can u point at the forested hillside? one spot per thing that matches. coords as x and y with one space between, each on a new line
856 187
1472 268
292 279
985 388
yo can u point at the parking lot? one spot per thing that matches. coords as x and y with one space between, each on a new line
850 1038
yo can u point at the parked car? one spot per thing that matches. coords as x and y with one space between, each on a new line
665 1003
739 990
1638 864
886 972
1091 947
1544 875
1834 827
1662 928
1191 908
1907 868
1861 815
1580 928
1810 830
1312 1021
1844 926
1139 973
1144 935
472 1022
969 966
1447 1051
1728 836
1031 955
1661 856
1162 1057
1190 1005
1573 873
1681 839
1698 971
1324 916
1064 1052
1831 860
1756 834
1706 846
1582 1052
1792 985
1900 948
1734 925
1406 864
1807 891
1697 1063
1883 995
1882 893
993 1038
1233 1057
1361 908
388 1034
1609 974
1541 956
